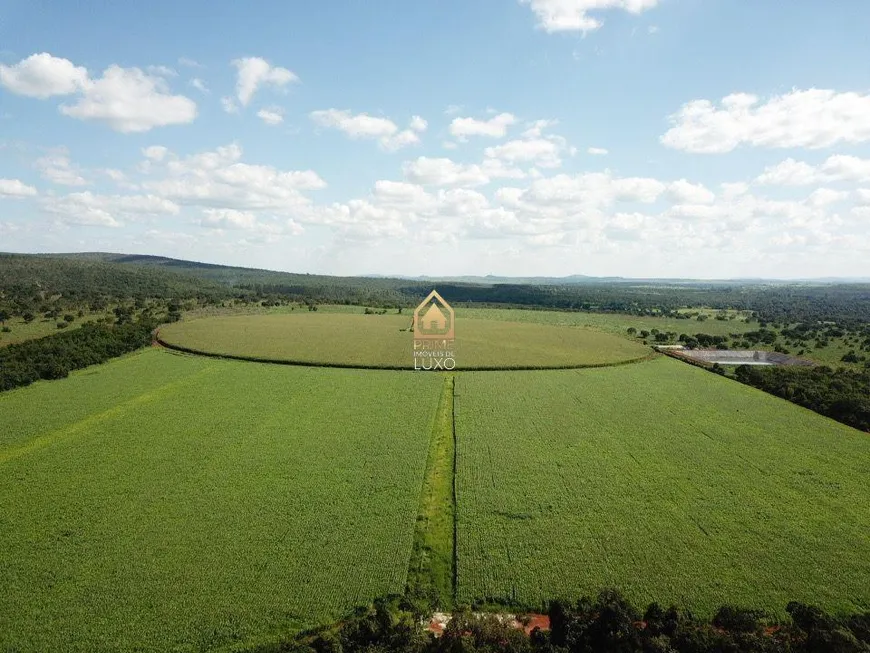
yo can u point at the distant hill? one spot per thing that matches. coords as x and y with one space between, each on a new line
26 279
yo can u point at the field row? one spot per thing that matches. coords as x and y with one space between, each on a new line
666 481
159 500
167 502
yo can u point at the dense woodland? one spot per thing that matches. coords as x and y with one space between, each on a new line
55 356
608 624
843 395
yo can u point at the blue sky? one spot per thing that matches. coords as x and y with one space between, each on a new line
694 138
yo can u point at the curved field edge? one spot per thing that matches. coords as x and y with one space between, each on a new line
395 368
386 342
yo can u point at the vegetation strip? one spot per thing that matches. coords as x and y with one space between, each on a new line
394 368
431 573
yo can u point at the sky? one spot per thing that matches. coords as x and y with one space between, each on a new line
637 138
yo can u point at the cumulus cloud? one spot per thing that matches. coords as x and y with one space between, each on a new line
684 192
597 151
15 188
363 126
229 105
543 152
813 118
155 152
129 100
199 85
89 209
573 15
495 127
446 172
254 73
219 179
57 168
839 167
228 219
42 76
271 116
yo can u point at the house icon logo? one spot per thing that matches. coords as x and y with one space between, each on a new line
434 318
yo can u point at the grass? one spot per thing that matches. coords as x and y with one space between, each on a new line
664 480
172 503
384 341
41 327
616 323
431 572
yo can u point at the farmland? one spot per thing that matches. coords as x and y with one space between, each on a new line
165 502
384 341
617 323
176 502
666 481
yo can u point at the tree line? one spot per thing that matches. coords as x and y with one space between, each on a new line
606 624
55 356
29 280
841 394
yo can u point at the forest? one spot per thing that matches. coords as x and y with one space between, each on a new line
843 395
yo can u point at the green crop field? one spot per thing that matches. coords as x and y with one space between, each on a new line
617 323
165 502
671 483
384 341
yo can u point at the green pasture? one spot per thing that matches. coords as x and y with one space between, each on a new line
386 341
171 503
661 479
617 323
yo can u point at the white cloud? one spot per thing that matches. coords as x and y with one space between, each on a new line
788 173
813 119
684 192
544 152
228 219
155 152
161 71
15 188
271 116
190 63
199 85
254 72
446 172
495 127
597 151
846 168
57 168
42 76
825 196
229 105
573 15
356 126
418 124
364 126
862 196
129 100
89 209
839 167
402 139
219 179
